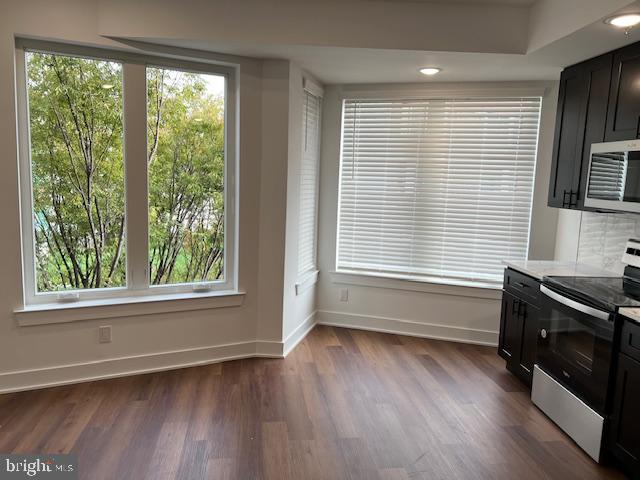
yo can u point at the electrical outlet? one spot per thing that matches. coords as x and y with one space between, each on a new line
104 334
344 294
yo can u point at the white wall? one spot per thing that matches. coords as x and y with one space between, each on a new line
567 235
273 196
70 351
543 218
298 309
430 26
456 313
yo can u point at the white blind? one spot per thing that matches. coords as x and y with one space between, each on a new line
308 193
439 187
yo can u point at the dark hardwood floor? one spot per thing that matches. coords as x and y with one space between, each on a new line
343 404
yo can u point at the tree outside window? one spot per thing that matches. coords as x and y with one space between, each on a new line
75 108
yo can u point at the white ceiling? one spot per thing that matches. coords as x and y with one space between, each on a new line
361 65
348 42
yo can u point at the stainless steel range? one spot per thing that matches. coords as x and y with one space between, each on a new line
573 374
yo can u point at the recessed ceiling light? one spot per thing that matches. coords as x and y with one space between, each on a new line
625 20
430 70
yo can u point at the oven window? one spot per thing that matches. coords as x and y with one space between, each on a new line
572 340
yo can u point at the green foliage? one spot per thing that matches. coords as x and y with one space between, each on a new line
186 178
75 108
75 111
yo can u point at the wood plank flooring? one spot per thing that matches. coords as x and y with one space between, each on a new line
345 404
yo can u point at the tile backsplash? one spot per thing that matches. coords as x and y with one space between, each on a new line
603 237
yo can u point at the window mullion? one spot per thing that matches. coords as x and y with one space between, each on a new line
135 154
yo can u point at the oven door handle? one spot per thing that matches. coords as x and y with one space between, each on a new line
594 312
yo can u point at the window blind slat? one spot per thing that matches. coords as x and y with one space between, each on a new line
439 187
308 184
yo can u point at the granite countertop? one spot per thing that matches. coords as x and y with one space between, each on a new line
544 268
632 313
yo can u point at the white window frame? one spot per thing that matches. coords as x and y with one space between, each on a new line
359 93
134 157
309 276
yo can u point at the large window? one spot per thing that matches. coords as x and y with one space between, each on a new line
436 188
308 184
127 171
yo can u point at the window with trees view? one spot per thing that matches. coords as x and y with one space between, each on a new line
186 175
84 116
77 170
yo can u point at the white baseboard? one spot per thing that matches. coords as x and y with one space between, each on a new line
407 327
154 362
299 333
269 349
171 360
123 366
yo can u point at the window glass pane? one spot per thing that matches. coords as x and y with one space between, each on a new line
75 117
573 340
186 155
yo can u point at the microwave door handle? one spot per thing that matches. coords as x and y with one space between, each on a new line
594 312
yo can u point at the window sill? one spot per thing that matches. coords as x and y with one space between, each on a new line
419 284
49 313
306 281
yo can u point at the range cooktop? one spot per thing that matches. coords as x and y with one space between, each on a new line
609 293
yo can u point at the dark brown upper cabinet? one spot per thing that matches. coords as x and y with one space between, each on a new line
571 97
580 121
623 119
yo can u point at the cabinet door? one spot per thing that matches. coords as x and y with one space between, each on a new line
598 75
624 98
530 327
510 329
624 431
569 135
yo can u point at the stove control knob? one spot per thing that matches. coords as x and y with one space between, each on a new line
543 333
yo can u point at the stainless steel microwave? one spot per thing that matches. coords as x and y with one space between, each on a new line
613 179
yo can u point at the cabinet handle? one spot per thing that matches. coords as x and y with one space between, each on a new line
522 314
522 285
565 199
514 306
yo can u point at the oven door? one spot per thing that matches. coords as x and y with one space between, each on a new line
575 343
